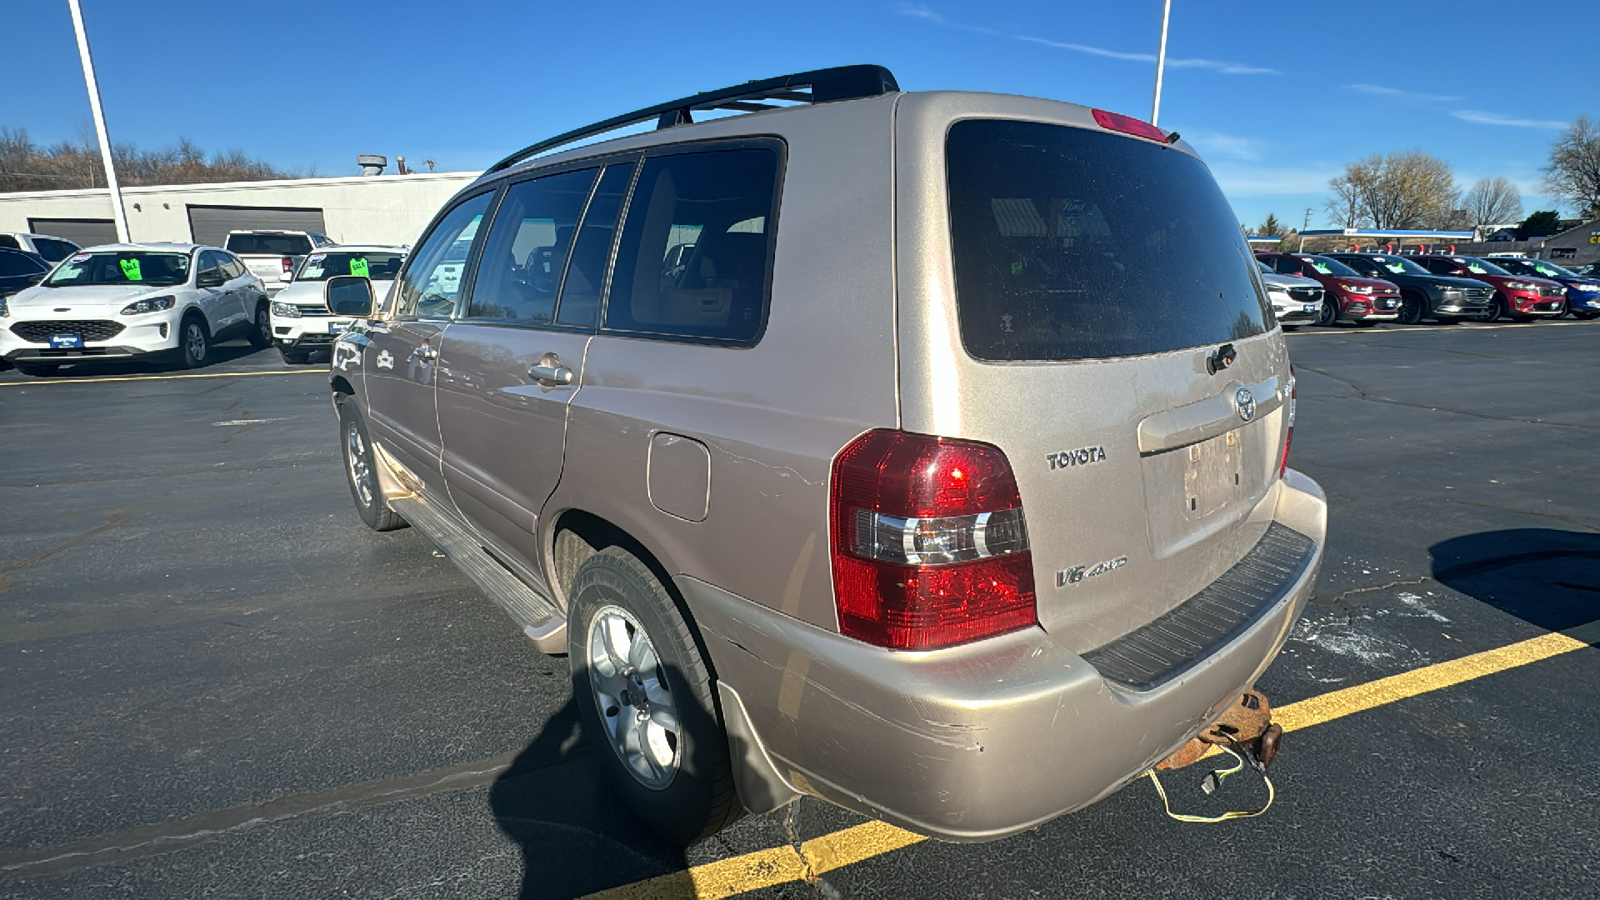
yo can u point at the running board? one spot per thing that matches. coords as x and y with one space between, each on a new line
528 607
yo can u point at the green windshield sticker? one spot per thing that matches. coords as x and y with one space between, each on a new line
1544 270
1395 267
1321 268
1477 269
130 268
358 268
1016 268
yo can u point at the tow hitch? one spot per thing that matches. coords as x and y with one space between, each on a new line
1245 732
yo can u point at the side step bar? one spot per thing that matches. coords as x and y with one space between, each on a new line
526 605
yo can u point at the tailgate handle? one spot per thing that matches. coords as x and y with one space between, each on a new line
1205 419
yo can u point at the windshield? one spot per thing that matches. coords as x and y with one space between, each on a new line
1395 265
1326 266
1537 267
1480 266
270 244
374 265
1075 244
130 267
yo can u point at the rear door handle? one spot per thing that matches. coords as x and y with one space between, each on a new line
551 374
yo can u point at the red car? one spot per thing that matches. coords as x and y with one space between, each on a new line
1519 297
1346 294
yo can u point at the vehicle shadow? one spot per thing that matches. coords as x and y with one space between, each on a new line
219 354
1544 576
575 834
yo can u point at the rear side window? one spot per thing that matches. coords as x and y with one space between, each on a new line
527 248
1075 244
696 247
14 264
7 240
54 251
270 244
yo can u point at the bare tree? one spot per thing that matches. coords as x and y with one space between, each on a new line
1492 201
24 166
1411 189
1574 170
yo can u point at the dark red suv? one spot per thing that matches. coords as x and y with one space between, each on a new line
1346 294
1519 297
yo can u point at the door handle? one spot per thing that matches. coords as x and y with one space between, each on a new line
555 373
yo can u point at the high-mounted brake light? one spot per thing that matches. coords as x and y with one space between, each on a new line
930 548
1129 125
1288 431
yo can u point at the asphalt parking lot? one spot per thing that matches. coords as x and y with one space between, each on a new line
217 682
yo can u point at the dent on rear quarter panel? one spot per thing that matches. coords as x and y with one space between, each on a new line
771 416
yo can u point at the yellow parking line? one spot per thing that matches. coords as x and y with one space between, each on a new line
93 380
783 865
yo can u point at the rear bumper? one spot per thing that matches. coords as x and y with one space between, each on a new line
980 741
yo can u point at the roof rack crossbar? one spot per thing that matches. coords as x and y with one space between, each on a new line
839 83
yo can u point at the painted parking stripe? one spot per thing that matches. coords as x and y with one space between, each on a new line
93 380
783 865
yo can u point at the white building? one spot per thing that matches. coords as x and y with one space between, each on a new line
379 209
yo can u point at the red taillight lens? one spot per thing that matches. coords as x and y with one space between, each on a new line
1128 125
1288 431
288 263
930 548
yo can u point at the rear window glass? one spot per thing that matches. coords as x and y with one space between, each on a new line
1075 244
367 264
272 244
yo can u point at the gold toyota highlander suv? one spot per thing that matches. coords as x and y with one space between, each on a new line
925 453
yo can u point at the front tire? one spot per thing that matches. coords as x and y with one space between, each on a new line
261 332
1585 315
1497 308
647 694
296 357
194 342
1329 313
361 472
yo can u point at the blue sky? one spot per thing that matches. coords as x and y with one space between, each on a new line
1277 97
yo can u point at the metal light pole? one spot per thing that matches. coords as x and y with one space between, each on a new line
1161 60
117 211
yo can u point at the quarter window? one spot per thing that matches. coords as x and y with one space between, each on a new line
696 247
431 281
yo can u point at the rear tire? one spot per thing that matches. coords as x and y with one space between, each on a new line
194 342
1585 315
261 331
1412 309
361 472
38 370
647 695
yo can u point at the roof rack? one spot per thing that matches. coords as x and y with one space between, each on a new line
839 83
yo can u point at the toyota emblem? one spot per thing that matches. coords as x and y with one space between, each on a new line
1246 402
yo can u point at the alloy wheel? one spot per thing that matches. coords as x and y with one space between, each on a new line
635 703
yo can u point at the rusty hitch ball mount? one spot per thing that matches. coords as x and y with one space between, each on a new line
1246 732
1246 725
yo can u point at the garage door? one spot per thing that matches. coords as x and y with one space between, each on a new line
83 232
211 224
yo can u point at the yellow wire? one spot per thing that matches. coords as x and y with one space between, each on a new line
1207 820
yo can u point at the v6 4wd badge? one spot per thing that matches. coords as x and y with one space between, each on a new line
1079 573
1082 456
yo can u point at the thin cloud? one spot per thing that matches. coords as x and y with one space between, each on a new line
1381 91
925 14
1480 117
1216 145
1255 181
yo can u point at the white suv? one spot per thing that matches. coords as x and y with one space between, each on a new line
123 301
301 322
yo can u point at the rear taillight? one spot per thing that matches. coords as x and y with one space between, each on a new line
930 548
1129 125
1288 431
288 263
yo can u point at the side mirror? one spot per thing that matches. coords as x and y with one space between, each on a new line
348 295
210 279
